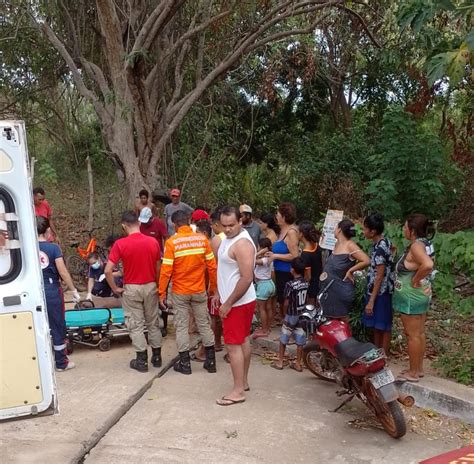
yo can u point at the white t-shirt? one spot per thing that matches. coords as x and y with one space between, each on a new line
228 272
263 271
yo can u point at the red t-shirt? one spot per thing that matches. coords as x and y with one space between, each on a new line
155 228
43 209
139 255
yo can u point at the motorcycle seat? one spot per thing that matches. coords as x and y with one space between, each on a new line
351 349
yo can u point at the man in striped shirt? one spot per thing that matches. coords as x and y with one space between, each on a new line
187 257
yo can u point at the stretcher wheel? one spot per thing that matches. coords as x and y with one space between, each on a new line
104 344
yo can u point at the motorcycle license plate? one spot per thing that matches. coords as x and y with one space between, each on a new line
384 377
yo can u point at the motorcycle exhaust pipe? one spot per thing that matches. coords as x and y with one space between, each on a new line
406 400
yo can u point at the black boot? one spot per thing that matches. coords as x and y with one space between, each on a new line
141 362
184 363
156 357
210 362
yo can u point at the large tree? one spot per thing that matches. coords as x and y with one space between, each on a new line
143 64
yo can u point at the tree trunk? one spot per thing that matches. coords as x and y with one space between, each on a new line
90 179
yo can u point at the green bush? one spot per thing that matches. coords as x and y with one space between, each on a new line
411 171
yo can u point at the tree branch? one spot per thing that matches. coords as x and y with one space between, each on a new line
157 20
363 24
97 75
284 34
76 75
191 32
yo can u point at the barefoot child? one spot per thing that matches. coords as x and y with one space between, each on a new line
264 286
293 305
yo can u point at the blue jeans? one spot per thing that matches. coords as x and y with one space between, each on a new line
291 327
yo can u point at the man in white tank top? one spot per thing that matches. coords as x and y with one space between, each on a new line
236 263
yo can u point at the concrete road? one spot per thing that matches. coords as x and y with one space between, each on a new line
100 384
285 419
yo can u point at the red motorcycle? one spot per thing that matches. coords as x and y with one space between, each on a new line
359 368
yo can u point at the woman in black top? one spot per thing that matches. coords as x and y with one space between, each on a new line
338 271
312 258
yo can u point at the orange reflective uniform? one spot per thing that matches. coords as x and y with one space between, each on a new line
186 258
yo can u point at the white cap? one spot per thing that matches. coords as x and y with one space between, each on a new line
145 215
245 209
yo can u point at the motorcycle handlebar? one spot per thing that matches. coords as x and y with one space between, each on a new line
325 290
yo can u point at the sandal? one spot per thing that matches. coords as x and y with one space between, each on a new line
218 348
229 401
293 366
226 358
195 358
276 366
406 378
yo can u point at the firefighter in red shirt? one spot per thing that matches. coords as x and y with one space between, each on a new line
140 256
187 257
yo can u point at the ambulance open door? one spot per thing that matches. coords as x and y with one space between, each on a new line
27 382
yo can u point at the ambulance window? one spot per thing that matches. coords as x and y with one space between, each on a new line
10 258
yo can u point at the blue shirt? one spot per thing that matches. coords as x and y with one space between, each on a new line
281 248
48 254
101 286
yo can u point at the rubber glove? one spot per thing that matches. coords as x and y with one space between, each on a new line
75 296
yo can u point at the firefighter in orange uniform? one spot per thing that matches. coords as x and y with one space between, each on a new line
187 257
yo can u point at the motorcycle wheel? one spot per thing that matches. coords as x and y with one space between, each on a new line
320 362
389 414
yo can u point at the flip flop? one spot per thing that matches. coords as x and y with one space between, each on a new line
217 350
195 358
230 401
276 366
226 358
293 366
247 389
256 335
405 378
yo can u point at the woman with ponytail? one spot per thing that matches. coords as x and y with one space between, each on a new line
412 294
312 258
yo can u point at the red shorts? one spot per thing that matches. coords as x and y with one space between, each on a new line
238 323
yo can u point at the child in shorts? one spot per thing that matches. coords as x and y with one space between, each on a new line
293 306
264 287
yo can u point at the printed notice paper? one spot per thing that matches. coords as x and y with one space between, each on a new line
333 217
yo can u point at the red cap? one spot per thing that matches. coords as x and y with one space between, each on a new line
175 193
199 215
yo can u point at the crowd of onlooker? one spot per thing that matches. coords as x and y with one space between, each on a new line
220 270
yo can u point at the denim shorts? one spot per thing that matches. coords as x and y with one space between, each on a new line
265 289
291 327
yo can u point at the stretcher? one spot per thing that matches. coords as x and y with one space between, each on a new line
94 327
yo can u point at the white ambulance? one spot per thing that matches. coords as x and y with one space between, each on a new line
27 382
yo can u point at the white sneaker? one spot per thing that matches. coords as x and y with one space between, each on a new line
70 365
